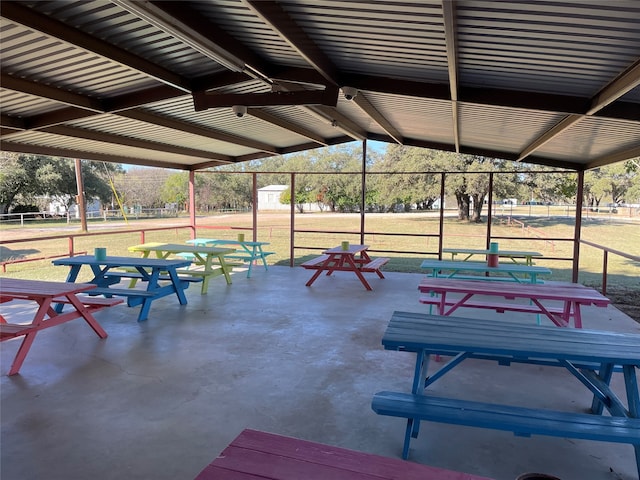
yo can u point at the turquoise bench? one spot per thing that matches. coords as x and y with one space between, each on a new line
521 421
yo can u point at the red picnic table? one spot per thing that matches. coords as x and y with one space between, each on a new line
47 295
254 454
350 258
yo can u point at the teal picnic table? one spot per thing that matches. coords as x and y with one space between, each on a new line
513 255
589 356
503 272
246 251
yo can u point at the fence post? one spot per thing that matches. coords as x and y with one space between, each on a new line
604 271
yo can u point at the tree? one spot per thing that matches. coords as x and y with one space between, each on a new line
26 176
57 178
612 181
393 189
175 189
18 177
141 186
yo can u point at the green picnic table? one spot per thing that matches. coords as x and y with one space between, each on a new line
513 255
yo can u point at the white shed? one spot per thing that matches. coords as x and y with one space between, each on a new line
269 197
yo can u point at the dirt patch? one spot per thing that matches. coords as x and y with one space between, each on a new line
626 300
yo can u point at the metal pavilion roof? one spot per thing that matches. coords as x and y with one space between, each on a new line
154 83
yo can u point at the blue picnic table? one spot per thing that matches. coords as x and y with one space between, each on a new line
591 356
151 270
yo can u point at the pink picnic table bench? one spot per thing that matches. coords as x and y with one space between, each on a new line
47 295
254 454
567 299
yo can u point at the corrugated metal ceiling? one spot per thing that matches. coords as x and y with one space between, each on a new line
153 83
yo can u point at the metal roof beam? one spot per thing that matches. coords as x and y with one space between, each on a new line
625 82
17 12
204 101
334 118
153 119
549 135
492 96
364 103
193 30
133 142
615 89
615 157
52 93
273 15
13 123
449 20
292 127
88 155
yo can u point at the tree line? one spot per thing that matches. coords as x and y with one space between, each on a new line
398 179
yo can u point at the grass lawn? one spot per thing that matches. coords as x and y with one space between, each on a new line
412 235
404 233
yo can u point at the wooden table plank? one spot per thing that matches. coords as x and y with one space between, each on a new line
260 455
409 331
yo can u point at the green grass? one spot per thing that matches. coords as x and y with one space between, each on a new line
404 233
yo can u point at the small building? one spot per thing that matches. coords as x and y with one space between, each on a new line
56 207
269 197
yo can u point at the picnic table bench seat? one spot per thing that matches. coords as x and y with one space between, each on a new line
375 264
498 307
315 263
12 330
185 275
522 421
372 266
134 297
248 257
484 278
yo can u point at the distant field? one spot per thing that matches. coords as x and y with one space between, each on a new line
398 232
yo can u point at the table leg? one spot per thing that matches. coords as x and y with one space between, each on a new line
264 260
44 305
356 270
455 306
88 317
324 266
633 400
226 270
605 374
71 277
251 254
577 315
560 322
177 285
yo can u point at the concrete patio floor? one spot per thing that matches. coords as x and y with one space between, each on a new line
160 399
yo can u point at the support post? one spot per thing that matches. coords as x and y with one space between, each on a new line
82 207
578 226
